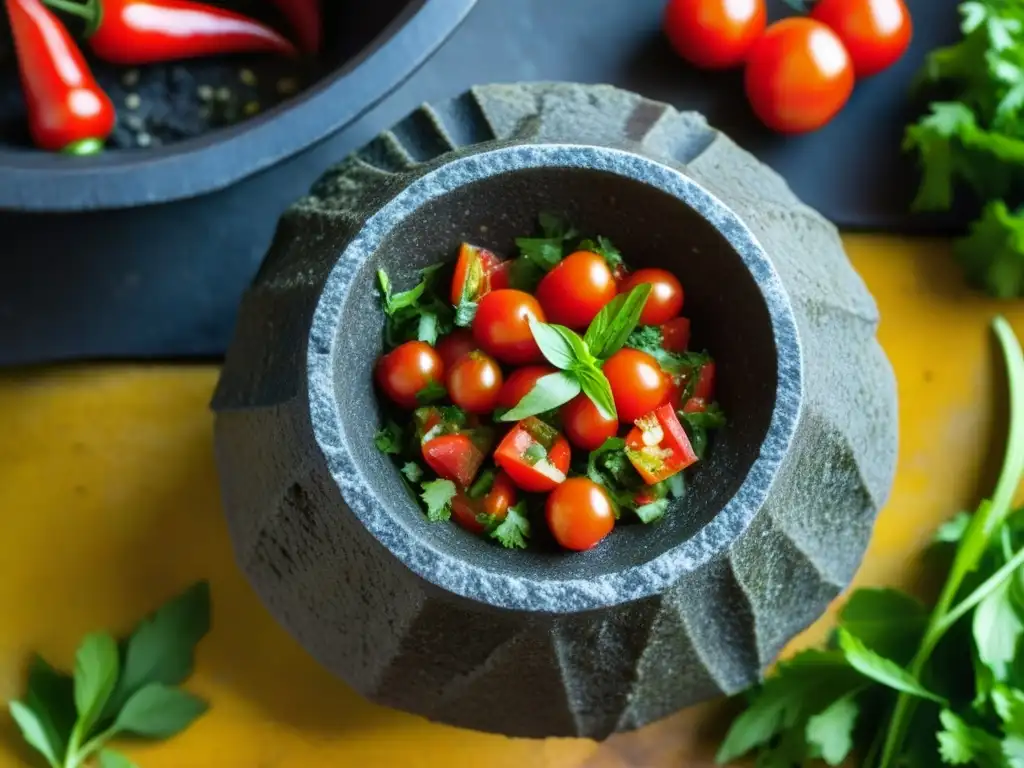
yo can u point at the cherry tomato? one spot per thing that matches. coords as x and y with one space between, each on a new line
499 275
876 33
406 370
714 34
495 503
474 382
453 346
576 289
675 336
579 514
502 326
472 273
658 446
519 384
535 455
638 384
666 299
584 425
799 75
454 457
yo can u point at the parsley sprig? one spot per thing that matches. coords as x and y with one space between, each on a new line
117 689
904 685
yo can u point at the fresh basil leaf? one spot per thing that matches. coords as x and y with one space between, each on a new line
549 392
162 647
595 385
427 332
882 670
616 321
888 622
652 512
514 531
997 630
158 711
36 731
96 671
553 345
437 496
51 696
108 758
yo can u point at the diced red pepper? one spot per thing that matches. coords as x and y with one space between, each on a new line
535 455
658 446
675 335
473 273
454 457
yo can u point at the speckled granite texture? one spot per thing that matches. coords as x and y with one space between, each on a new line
427 618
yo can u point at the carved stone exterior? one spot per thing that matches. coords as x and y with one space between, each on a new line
427 618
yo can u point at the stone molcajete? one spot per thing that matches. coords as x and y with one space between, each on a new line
427 618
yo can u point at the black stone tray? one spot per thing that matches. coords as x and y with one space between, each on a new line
165 281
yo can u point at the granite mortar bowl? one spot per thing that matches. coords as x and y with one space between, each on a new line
427 618
368 50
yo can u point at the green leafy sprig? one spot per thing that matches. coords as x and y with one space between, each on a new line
126 689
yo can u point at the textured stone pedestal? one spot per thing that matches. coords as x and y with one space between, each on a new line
427 618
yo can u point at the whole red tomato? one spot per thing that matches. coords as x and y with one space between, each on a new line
576 289
474 382
714 34
502 326
405 371
579 514
799 75
638 383
876 33
584 425
452 347
666 299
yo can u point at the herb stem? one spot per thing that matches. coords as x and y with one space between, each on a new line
987 587
986 521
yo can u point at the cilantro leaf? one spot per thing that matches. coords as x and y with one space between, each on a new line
437 495
556 227
431 393
881 669
992 255
610 467
412 472
605 249
389 439
514 531
997 630
831 730
544 253
962 744
419 313
886 621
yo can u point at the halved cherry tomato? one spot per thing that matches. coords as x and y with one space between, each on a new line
474 382
454 457
658 446
799 75
502 326
579 514
453 346
675 335
472 273
576 289
638 383
584 425
535 455
876 33
714 34
495 504
519 384
666 299
405 371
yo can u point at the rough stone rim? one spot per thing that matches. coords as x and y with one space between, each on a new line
506 589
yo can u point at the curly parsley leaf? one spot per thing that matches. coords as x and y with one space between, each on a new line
389 439
514 531
437 495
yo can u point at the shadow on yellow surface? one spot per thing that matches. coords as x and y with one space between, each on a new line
109 495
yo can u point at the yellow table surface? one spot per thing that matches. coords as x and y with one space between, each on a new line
109 503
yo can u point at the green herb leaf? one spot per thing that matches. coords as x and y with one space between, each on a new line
605 249
96 672
886 621
162 647
997 631
992 255
616 321
961 744
438 495
556 227
431 393
482 485
596 386
831 731
549 392
51 697
110 759
389 439
514 531
652 512
609 467
158 711
37 731
646 338
427 332
393 302
412 471
553 344
882 670
543 253
953 530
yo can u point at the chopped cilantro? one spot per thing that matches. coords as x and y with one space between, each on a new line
609 467
412 471
646 338
483 484
389 439
438 495
514 531
651 513
545 252
419 313
605 249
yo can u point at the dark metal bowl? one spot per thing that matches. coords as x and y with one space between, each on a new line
376 49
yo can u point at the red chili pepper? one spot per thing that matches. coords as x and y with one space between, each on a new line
67 110
304 16
147 31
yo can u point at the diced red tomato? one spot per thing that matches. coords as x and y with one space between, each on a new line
705 387
695 405
675 335
535 455
495 503
472 279
658 446
454 457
